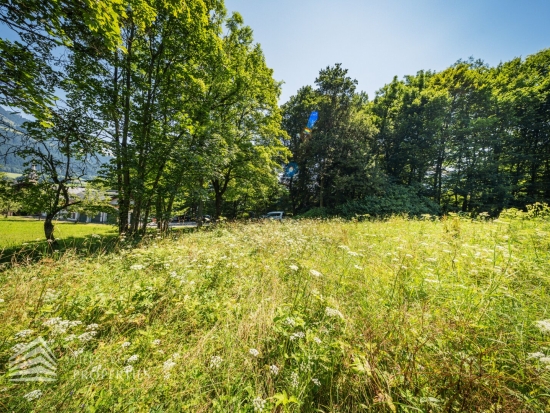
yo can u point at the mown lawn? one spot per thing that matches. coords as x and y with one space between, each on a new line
305 316
15 231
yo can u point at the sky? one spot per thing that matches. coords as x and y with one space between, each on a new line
377 40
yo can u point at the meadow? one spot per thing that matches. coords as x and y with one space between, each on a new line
399 315
14 231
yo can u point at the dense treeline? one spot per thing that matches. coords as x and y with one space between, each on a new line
470 138
175 93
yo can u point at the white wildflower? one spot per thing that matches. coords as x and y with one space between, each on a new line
431 259
137 267
543 326
331 312
253 352
290 321
357 267
176 356
89 335
353 253
215 361
126 344
296 336
259 404
317 340
70 337
23 333
294 379
50 295
93 326
429 280
168 365
33 395
156 342
78 352
343 247
132 359
293 267
273 369
1 300
536 355
545 360
95 236
128 369
315 273
408 256
316 382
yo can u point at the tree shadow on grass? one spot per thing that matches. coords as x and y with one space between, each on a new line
82 246
33 251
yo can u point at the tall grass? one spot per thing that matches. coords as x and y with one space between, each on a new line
311 316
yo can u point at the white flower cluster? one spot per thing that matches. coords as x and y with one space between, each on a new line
92 326
293 267
273 369
543 326
215 361
317 340
128 369
253 352
87 336
290 321
137 267
33 395
132 359
1 300
167 366
294 379
316 382
126 344
536 355
78 352
24 333
50 295
315 273
156 342
59 326
331 312
259 404
296 336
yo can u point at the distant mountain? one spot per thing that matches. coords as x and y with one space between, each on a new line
11 124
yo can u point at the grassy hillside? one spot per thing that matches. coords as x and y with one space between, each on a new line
311 316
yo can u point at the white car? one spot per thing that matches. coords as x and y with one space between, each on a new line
278 215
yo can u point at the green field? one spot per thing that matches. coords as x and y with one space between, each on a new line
305 316
15 231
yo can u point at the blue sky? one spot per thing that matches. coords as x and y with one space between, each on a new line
377 40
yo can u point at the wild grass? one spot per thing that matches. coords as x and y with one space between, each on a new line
304 316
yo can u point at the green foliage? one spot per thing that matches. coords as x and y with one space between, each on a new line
394 200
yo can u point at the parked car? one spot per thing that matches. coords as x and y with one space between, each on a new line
278 215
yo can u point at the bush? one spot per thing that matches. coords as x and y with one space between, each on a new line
396 200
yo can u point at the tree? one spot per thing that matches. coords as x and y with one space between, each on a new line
9 201
61 155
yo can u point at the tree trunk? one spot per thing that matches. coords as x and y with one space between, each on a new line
219 197
48 230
